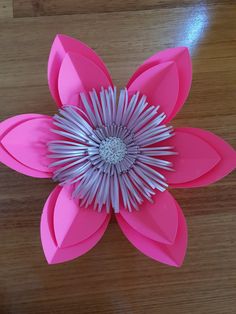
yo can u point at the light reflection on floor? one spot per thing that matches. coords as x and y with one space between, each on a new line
194 27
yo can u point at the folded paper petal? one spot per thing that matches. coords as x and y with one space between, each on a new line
195 157
55 254
79 74
61 45
26 142
170 254
160 84
181 57
226 164
157 221
6 156
73 224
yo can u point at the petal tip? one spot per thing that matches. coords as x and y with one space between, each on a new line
49 259
60 36
183 49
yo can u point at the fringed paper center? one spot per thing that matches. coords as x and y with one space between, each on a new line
110 150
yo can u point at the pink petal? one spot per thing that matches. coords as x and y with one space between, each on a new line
195 157
157 221
79 74
61 45
160 84
27 142
170 254
226 164
6 156
181 57
55 254
73 224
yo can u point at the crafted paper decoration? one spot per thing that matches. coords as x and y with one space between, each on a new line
114 152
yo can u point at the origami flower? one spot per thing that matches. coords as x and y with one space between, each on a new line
112 151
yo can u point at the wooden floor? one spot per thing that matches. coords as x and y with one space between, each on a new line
114 277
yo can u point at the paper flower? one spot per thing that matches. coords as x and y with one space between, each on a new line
113 151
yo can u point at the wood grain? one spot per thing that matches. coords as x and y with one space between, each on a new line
24 8
114 277
6 9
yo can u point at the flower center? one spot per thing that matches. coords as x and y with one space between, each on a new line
109 149
112 150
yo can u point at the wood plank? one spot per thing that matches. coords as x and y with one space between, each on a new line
24 8
114 277
6 9
126 281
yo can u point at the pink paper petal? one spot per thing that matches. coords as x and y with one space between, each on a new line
5 156
157 221
79 74
226 164
195 157
181 57
61 45
172 255
27 142
160 84
55 254
73 224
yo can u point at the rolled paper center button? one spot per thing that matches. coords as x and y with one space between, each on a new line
112 150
